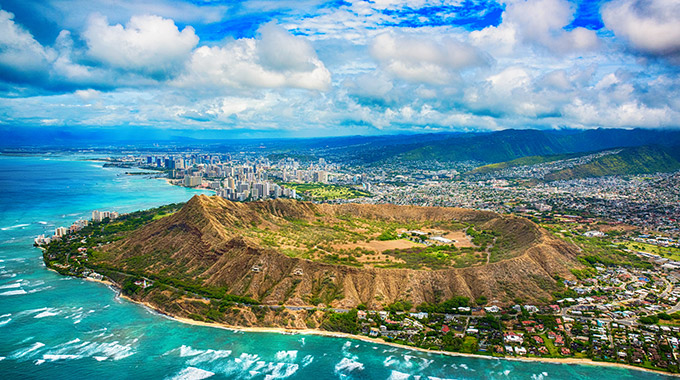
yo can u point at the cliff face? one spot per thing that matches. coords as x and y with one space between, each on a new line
204 242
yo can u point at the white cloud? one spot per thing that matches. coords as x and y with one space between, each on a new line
147 44
629 114
541 22
424 60
87 95
20 53
500 40
510 79
369 85
651 26
277 59
557 79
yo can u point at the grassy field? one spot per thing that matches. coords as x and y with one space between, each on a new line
354 241
325 192
672 253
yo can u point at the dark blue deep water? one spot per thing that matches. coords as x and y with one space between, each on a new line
64 328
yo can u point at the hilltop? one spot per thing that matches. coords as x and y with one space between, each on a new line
248 250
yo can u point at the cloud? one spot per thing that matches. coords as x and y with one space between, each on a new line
424 60
651 27
277 59
148 44
540 23
21 56
88 95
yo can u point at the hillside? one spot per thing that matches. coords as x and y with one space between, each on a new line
523 161
218 244
504 145
637 160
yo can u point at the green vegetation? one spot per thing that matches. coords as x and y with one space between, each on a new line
388 235
67 257
638 160
448 306
325 192
672 253
600 251
402 305
522 161
433 257
342 322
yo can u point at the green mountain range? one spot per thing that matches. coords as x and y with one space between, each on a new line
637 160
493 147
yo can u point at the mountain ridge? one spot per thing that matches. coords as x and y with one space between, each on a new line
202 242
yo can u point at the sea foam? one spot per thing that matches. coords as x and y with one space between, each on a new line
347 365
192 373
286 355
13 292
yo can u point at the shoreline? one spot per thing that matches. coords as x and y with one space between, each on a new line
365 339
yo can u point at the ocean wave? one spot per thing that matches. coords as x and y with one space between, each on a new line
199 356
307 360
539 376
425 363
6 315
245 360
286 355
390 361
28 351
347 365
103 351
54 358
209 356
465 367
6 321
396 375
14 227
42 222
48 313
30 311
192 373
280 370
13 292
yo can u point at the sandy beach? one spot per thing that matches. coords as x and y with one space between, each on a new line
571 361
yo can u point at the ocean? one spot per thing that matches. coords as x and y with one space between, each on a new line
59 327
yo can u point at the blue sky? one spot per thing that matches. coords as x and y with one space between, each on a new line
318 68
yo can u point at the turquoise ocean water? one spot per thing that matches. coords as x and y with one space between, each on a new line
57 327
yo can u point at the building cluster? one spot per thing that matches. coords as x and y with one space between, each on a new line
60 232
650 201
98 216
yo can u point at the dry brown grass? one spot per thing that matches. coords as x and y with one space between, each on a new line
378 245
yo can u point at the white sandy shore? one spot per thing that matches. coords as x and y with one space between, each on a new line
572 361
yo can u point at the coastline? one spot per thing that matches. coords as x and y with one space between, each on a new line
569 361
332 334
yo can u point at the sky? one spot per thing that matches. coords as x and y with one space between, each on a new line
324 68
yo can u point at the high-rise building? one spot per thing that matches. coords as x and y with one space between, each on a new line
192 181
320 176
